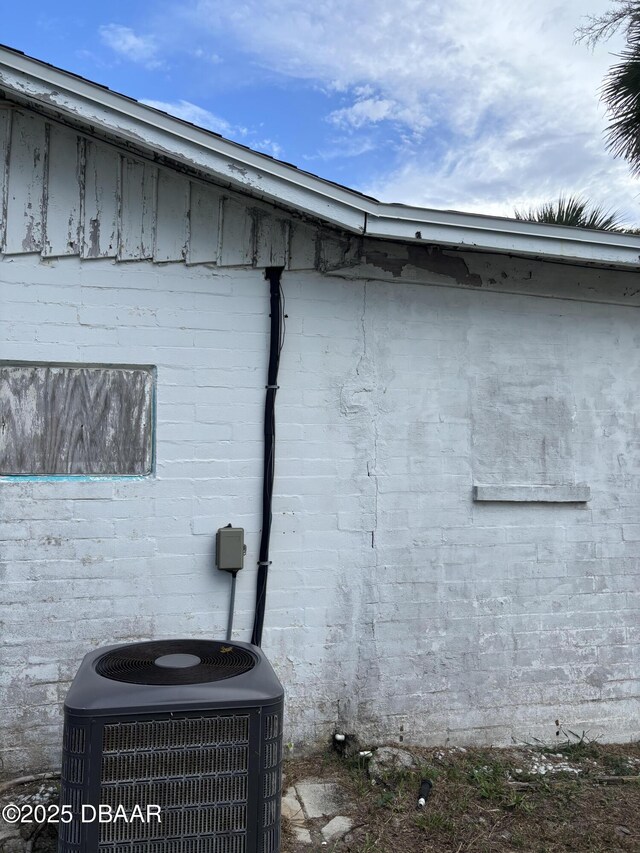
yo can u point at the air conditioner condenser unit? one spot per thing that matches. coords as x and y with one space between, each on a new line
173 746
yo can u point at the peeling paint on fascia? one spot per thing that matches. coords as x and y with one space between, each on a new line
238 169
429 258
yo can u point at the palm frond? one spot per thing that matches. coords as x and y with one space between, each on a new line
621 93
621 87
574 211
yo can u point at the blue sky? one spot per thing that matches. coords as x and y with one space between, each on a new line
439 103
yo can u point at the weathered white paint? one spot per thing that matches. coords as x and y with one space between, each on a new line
397 605
171 218
153 133
237 244
102 189
96 200
404 264
495 234
204 231
63 193
272 249
25 197
137 209
5 147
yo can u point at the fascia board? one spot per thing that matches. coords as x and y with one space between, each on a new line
154 131
497 234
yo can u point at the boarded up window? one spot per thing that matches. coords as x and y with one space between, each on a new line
523 426
76 419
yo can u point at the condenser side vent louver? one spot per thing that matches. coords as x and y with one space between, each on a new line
190 728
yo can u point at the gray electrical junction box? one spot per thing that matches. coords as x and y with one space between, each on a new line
230 548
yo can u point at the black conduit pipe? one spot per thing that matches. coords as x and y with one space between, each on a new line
272 274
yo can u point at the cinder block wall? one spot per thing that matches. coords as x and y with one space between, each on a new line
398 607
431 617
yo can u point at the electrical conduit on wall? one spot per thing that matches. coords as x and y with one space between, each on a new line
272 274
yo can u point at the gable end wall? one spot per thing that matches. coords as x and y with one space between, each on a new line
398 605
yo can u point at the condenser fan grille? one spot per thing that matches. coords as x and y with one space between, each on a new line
175 662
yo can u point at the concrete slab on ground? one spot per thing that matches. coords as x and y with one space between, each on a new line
292 808
320 799
337 827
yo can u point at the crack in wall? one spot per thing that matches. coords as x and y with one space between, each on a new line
372 467
368 657
360 405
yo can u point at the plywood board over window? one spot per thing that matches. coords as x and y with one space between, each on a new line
76 419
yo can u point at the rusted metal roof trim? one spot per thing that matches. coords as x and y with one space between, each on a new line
266 178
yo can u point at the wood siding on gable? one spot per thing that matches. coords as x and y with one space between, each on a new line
25 196
66 193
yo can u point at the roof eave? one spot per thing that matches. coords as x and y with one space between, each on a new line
236 166
156 132
506 236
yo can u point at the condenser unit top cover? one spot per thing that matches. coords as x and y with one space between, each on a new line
177 675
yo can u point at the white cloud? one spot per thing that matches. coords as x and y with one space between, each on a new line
198 116
207 56
343 147
268 146
365 111
495 175
372 110
123 40
498 106
208 120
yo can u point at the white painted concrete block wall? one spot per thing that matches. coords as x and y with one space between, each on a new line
87 563
396 606
455 620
